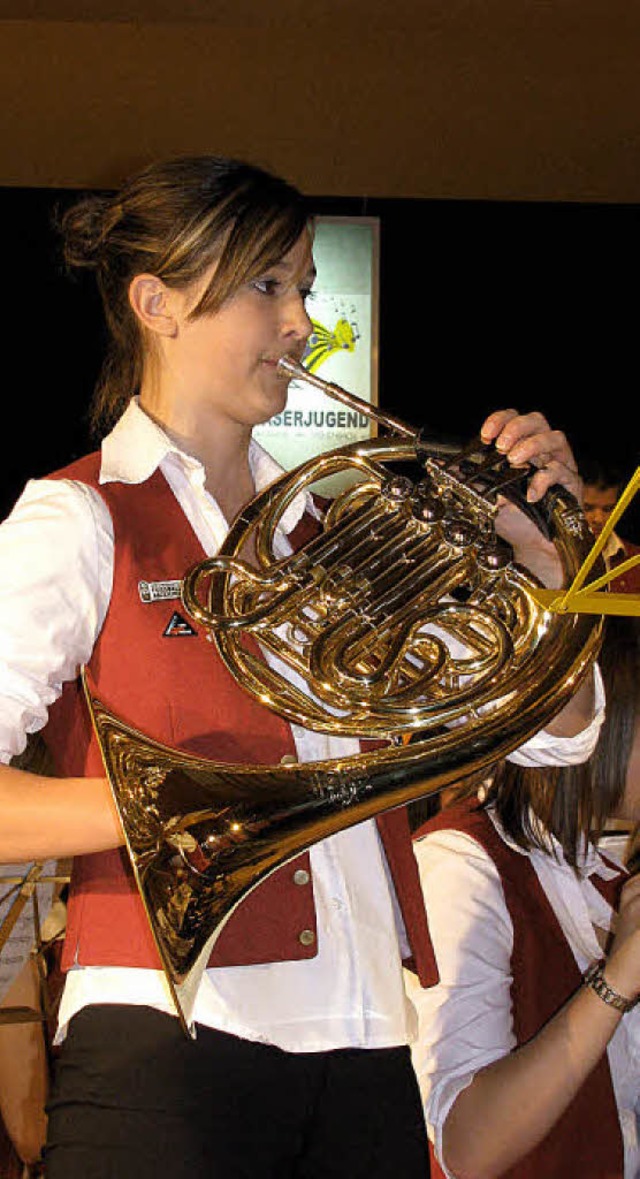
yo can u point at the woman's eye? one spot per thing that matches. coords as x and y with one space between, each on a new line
266 286
307 293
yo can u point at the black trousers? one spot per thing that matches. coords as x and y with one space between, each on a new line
133 1098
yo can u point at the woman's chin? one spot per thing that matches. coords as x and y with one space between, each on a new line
273 400
268 414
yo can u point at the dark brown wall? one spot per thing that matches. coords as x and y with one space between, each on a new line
497 99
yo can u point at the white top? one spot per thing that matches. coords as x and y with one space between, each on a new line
613 546
466 1021
58 544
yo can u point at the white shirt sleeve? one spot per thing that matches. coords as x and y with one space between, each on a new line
465 1022
57 545
545 749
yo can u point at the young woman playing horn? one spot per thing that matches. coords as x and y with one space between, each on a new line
205 266
524 1071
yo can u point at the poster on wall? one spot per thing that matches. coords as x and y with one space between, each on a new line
343 347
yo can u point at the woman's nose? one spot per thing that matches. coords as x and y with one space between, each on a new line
296 321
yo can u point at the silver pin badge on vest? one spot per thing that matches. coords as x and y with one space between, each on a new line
159 591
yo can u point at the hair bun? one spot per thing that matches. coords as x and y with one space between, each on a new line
85 228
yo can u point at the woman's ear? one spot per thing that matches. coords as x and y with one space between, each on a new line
153 304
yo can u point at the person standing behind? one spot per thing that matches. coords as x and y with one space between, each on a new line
528 1051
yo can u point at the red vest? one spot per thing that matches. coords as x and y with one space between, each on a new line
174 688
629 582
586 1141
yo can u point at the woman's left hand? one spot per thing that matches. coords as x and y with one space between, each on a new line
527 439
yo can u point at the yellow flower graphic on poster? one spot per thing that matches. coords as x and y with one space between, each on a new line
323 342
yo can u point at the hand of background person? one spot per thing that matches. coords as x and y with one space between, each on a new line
622 968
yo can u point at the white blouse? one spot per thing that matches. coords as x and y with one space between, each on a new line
466 1022
58 542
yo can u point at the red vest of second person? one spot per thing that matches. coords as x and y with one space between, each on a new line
163 678
586 1141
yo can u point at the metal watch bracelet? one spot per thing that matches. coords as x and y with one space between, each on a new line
594 978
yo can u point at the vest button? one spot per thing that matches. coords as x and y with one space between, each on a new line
288 760
307 937
301 876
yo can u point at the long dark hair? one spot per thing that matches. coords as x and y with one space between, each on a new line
174 220
573 803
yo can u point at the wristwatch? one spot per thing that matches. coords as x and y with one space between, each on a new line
594 978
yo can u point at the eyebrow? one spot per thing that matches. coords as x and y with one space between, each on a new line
311 273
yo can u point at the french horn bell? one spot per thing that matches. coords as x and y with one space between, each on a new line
405 618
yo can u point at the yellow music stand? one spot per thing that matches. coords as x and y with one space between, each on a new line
593 598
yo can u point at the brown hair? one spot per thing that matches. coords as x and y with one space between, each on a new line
573 803
173 220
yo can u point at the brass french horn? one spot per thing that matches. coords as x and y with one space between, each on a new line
404 616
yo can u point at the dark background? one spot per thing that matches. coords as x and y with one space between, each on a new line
483 304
